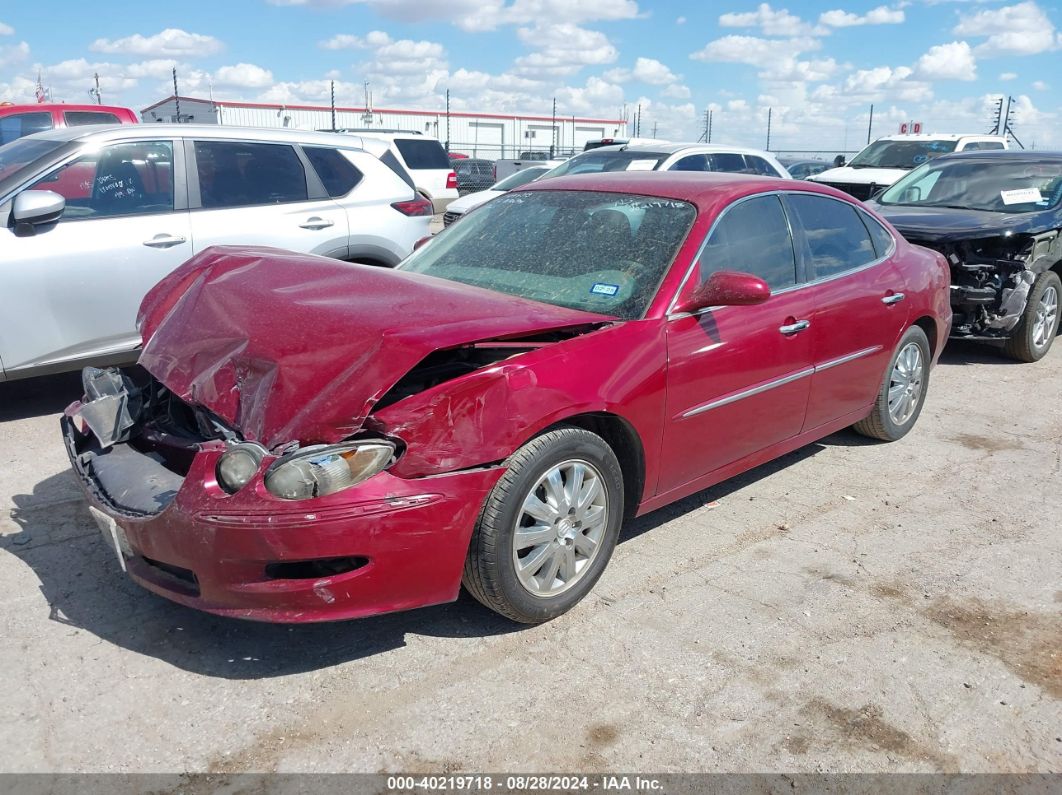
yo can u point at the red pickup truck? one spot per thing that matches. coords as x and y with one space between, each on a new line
19 120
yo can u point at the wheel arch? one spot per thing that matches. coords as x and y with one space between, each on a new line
625 442
929 326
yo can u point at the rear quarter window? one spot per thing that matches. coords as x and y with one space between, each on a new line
80 118
427 154
338 174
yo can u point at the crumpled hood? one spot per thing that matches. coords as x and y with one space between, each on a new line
289 346
882 177
943 224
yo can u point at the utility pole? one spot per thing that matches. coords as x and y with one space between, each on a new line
638 122
176 96
870 124
447 120
553 139
96 91
1007 128
711 113
332 93
768 147
998 116
654 129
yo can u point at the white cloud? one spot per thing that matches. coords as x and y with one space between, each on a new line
1022 29
345 41
680 21
677 91
562 49
243 75
170 42
1008 76
770 21
1040 85
646 70
752 49
882 15
954 61
6 30
789 69
14 53
478 15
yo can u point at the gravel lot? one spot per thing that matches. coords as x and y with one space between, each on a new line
852 607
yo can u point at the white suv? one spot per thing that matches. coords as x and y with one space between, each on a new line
92 217
887 159
673 157
424 157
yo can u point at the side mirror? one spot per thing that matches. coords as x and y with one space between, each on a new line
34 208
838 161
421 242
727 288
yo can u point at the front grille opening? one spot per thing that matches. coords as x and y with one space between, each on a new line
313 569
185 578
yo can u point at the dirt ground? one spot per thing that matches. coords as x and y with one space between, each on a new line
852 607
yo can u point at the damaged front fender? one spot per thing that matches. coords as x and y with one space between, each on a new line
485 416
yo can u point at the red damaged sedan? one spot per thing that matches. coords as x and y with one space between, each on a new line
318 440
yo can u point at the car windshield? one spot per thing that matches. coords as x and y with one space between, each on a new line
596 161
599 252
22 152
997 185
520 178
900 154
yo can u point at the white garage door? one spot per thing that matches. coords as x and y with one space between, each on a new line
487 139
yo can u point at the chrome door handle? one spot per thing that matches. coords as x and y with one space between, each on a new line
895 298
164 241
316 223
793 328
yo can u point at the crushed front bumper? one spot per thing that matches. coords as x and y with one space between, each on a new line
386 544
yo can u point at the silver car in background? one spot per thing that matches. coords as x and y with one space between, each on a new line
92 217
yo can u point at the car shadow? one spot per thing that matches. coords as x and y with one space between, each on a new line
36 397
963 352
84 588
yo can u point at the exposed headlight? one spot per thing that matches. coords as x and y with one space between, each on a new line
238 465
317 471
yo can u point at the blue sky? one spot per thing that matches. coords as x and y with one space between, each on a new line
818 66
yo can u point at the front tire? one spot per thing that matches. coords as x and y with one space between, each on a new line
1039 321
903 390
548 528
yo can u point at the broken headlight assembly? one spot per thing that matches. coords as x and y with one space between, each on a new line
238 465
325 469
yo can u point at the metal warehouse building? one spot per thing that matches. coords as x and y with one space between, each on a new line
475 134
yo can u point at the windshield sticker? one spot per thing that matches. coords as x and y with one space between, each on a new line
1021 196
641 165
600 288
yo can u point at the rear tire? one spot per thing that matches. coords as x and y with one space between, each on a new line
1038 326
548 528
903 390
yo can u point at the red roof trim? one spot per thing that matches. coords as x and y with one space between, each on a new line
433 113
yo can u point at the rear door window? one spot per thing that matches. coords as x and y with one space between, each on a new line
757 165
836 239
691 163
17 125
79 118
752 237
337 173
423 154
726 161
240 174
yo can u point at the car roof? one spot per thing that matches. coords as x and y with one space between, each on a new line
125 132
939 137
676 148
1010 155
50 106
706 190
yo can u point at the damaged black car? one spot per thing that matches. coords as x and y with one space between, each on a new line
997 218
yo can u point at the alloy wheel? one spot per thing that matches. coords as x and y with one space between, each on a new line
560 527
1046 318
905 383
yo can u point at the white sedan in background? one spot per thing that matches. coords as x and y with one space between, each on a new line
470 201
